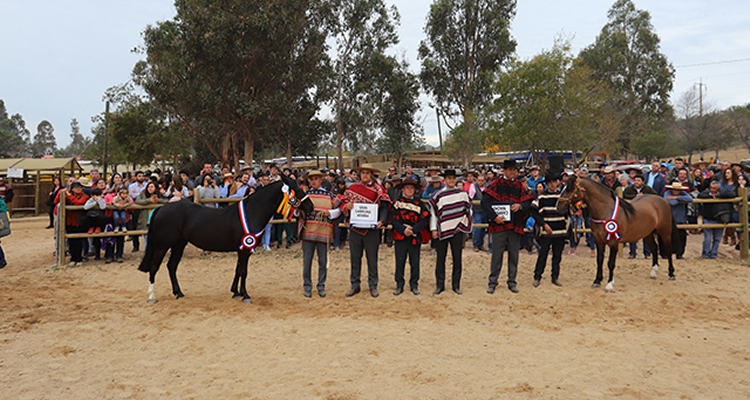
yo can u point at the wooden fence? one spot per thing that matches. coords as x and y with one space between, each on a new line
742 225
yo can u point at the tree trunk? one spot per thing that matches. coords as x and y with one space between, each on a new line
289 154
339 140
249 147
235 152
226 148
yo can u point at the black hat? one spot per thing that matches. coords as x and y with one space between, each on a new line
76 184
448 172
409 181
510 163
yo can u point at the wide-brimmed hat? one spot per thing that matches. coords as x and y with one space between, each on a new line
227 175
608 169
699 163
315 172
84 181
467 173
676 186
448 172
409 181
434 178
533 167
510 163
369 167
432 168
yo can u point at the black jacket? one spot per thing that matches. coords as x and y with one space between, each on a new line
721 212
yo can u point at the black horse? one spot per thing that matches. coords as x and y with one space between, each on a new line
175 225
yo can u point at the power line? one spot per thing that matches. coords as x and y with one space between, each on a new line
713 63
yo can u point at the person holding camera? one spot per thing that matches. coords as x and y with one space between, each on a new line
209 190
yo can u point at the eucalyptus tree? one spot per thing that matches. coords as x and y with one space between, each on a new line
468 42
626 55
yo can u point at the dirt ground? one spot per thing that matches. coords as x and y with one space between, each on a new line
88 332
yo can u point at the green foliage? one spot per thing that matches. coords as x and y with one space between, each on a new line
400 131
362 30
654 145
232 69
78 143
627 56
461 144
736 122
14 136
467 43
551 103
44 140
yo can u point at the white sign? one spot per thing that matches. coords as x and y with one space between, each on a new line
15 173
503 210
364 215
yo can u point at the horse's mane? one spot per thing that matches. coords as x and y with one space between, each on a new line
624 205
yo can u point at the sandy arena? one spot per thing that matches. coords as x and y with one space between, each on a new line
88 332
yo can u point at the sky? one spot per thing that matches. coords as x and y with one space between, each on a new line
58 58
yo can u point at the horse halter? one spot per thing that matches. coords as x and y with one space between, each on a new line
290 202
575 199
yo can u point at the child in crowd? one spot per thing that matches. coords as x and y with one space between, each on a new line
120 214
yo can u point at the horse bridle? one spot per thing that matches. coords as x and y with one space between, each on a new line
574 199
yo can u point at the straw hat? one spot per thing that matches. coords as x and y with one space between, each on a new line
433 168
227 175
676 186
369 167
84 182
315 173
608 169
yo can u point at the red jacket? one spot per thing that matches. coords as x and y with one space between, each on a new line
71 217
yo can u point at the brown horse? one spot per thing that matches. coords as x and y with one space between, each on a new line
644 217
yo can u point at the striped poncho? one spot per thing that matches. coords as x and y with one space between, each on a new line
318 228
451 212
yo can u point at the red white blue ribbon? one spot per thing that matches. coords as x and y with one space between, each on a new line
611 226
249 240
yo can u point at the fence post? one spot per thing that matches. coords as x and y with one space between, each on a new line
61 229
744 222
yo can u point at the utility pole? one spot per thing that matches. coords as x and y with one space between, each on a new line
106 138
700 96
440 133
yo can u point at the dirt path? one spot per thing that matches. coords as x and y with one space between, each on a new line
88 332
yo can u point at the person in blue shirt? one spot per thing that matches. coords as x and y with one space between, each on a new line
434 183
678 197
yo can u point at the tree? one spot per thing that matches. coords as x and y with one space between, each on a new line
737 122
363 31
226 70
14 137
78 143
44 140
400 131
655 145
461 144
551 103
467 43
697 125
626 55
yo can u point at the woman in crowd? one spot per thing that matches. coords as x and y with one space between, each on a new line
727 186
114 181
73 223
150 195
56 187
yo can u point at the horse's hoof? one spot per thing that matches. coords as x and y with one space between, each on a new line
247 301
596 286
179 296
671 278
608 290
151 301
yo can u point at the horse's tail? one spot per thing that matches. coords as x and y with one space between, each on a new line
149 255
666 249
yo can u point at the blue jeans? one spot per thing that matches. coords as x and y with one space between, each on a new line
119 217
266 240
711 239
478 235
2 256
